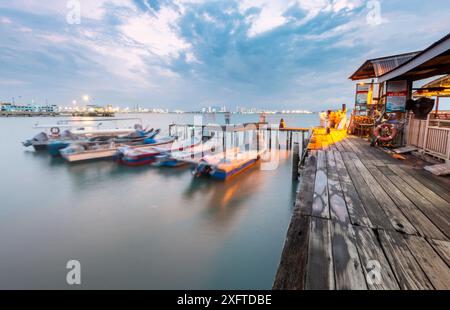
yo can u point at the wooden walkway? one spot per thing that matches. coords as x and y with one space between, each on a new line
364 220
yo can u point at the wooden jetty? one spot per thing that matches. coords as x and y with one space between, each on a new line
188 130
364 220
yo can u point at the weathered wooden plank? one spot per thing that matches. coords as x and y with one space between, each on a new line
332 147
354 148
346 146
442 248
430 183
434 267
338 208
376 214
355 207
347 265
320 205
420 222
364 154
292 269
320 274
397 218
435 199
442 181
304 200
365 151
379 275
427 208
406 270
379 158
339 147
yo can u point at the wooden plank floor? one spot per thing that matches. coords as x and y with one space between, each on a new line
364 220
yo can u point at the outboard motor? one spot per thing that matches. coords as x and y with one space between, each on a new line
202 168
40 137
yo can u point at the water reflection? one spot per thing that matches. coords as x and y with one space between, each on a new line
137 227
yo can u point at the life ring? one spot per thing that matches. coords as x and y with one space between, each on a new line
385 132
55 131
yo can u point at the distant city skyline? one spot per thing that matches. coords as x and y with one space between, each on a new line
10 106
190 54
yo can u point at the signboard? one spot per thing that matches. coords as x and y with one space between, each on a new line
362 92
396 92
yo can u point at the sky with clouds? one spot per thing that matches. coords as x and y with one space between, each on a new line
188 54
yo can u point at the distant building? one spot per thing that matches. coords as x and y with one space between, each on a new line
12 107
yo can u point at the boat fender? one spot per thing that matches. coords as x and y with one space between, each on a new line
380 129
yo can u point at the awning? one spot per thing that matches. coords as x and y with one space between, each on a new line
373 68
433 61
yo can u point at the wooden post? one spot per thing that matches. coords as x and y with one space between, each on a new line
425 138
287 139
303 140
270 138
437 105
257 138
224 141
295 161
448 148
290 140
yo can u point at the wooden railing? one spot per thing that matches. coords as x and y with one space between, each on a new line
431 136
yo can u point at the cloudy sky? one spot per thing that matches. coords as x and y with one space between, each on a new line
187 54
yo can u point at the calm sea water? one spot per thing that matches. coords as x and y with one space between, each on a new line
138 228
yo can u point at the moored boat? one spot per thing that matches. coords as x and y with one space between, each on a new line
92 150
54 147
149 154
225 165
68 131
188 156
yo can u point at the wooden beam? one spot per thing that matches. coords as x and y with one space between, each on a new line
320 205
405 267
378 272
320 274
347 265
291 272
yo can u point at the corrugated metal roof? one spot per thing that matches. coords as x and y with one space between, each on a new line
385 65
428 63
373 68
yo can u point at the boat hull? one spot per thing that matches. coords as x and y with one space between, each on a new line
40 147
171 163
150 156
222 175
89 156
137 162
54 148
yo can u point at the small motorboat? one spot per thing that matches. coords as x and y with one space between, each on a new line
103 149
188 156
68 131
149 154
227 164
54 147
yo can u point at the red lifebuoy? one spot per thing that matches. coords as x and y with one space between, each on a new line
55 131
385 132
